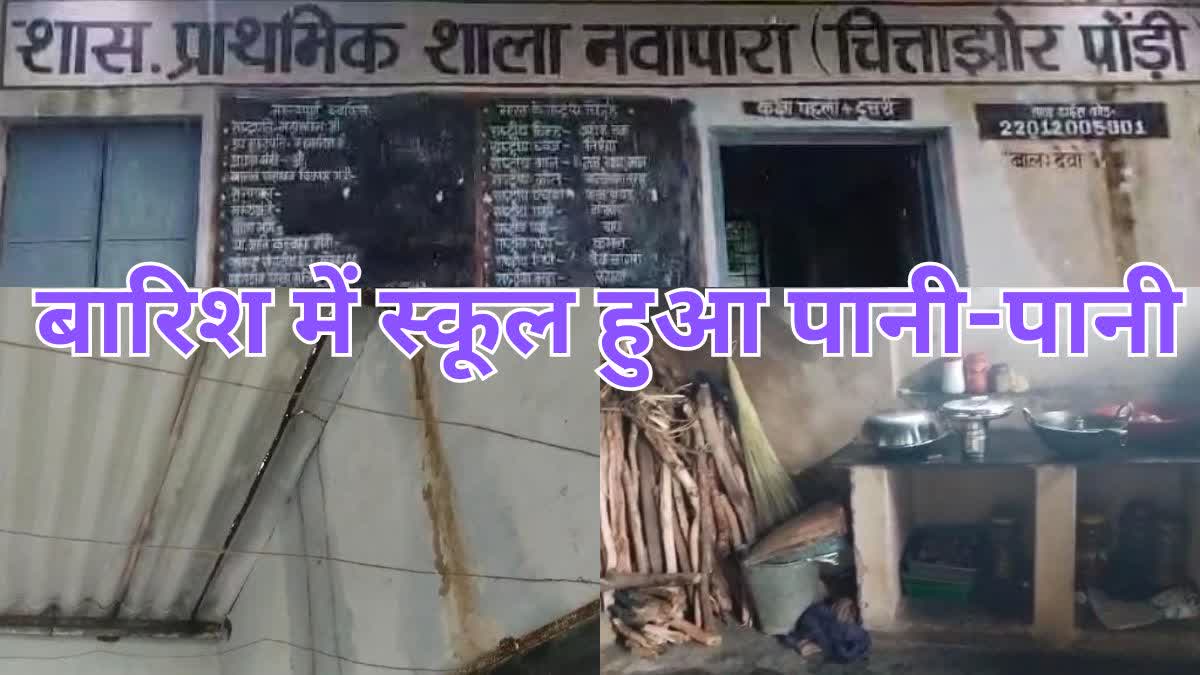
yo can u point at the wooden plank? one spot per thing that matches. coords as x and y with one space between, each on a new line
879 502
1054 555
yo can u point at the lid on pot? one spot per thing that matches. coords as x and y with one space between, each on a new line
978 406
902 417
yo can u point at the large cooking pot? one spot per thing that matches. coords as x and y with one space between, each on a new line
904 431
1078 435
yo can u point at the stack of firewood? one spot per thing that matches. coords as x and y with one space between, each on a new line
651 619
675 505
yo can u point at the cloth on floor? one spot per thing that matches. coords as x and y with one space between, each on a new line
842 641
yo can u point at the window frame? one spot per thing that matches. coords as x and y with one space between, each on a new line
204 239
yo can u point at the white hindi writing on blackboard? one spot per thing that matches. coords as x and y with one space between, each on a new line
531 147
264 157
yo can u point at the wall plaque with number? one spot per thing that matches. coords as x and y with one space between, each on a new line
1073 121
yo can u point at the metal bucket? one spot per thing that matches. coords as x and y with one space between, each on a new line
783 587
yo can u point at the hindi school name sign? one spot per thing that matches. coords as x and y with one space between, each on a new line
81 43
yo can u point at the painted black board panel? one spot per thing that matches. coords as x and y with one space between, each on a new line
1051 121
586 192
457 191
382 181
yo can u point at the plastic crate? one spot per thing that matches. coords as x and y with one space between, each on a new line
946 574
924 589
942 573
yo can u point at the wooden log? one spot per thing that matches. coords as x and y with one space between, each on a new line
683 533
617 581
682 557
694 553
715 602
664 634
608 546
736 538
669 454
634 637
666 592
666 512
694 544
729 431
740 470
653 610
675 596
722 524
705 611
718 444
722 594
632 482
722 589
708 539
616 491
696 633
648 472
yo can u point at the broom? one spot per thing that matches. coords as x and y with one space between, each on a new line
770 484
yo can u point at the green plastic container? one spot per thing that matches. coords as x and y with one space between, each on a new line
924 589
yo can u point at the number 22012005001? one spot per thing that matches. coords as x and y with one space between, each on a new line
1071 128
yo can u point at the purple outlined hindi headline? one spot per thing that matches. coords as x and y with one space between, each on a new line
728 320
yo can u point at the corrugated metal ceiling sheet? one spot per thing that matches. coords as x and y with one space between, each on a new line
87 457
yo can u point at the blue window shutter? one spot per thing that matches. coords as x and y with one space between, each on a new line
51 207
150 202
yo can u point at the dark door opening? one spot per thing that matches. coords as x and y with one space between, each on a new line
827 215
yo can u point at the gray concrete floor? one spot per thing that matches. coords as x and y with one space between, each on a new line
745 652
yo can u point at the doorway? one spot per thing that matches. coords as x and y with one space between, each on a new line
831 215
